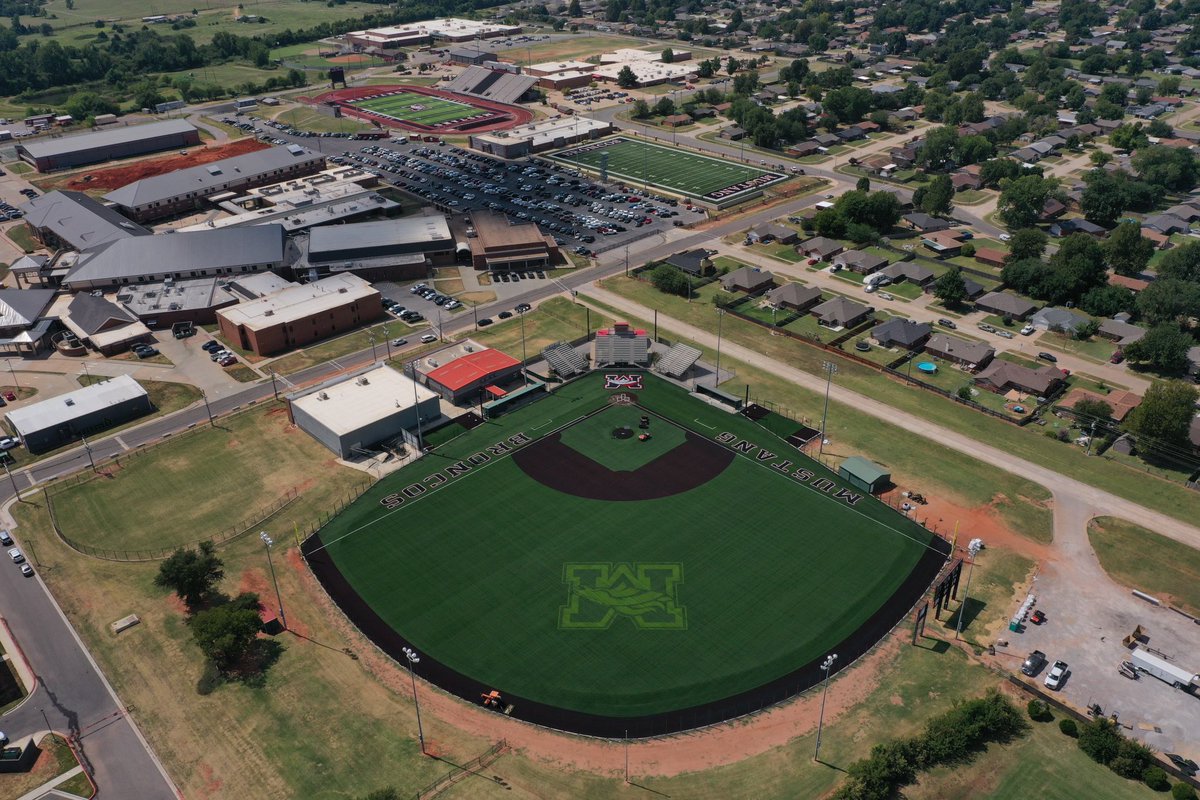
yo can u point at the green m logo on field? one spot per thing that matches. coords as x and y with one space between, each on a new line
600 592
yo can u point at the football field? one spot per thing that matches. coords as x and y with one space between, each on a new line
623 560
419 109
674 170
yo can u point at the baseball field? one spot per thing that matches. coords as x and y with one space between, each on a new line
678 171
621 556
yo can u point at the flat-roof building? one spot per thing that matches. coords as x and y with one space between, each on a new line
187 189
300 314
52 423
161 305
353 414
178 256
123 142
447 29
548 134
500 245
392 249
64 219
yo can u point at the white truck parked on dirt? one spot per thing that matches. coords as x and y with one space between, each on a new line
1164 670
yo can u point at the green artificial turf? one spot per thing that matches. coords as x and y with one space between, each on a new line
763 574
433 110
678 171
594 438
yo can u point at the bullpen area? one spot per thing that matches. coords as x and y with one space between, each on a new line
620 556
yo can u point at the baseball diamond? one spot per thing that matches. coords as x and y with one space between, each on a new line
678 171
693 572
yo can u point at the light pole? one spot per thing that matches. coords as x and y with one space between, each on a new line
208 408
830 370
717 376
417 408
411 657
825 665
371 339
972 551
16 383
268 543
12 480
87 447
523 364
387 341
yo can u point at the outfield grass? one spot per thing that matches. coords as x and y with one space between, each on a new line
1133 484
433 111
751 546
154 500
677 171
1142 559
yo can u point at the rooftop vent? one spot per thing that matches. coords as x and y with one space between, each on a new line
322 395
362 380
70 402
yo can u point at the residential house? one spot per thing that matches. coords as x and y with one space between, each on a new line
827 139
972 355
1120 331
1121 402
733 133
1052 209
694 262
1006 305
1057 319
962 181
1165 223
841 312
1068 226
920 221
794 296
991 257
1003 376
749 280
1161 241
860 261
909 271
901 332
1185 211
676 120
805 148
772 232
946 244
851 134
820 247
1132 284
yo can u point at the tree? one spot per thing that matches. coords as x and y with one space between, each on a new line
626 79
830 223
225 633
1099 157
939 149
1165 413
732 65
574 9
1164 347
664 107
1169 168
1102 201
1022 200
1168 300
641 109
1126 250
1027 243
939 195
668 55
191 574
670 280
1089 409
950 288
146 95
1181 263
1079 264
82 105
863 184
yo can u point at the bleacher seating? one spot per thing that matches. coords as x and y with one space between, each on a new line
565 360
490 84
621 346
678 360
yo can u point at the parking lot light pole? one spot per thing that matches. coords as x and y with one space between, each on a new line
411 657
825 665
523 364
972 551
830 370
268 543
387 341
371 339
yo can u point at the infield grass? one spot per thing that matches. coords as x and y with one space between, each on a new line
678 171
485 562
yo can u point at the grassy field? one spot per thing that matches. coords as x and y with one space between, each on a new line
418 109
1142 559
21 237
342 346
676 171
249 462
1170 498
574 48
738 628
308 119
555 320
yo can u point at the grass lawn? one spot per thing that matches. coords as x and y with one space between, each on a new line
1142 559
555 320
22 238
241 373
308 119
341 346
55 759
784 252
906 289
730 263
959 477
249 462
586 656
971 197
18 168
1094 349
678 171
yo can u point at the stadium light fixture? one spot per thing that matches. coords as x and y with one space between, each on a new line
411 657
972 551
830 370
268 542
825 665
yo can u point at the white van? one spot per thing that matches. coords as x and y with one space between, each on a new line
428 338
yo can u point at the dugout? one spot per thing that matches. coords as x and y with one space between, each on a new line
863 474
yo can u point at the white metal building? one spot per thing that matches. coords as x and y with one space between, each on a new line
52 423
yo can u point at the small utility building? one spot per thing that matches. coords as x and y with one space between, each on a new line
52 423
357 412
863 474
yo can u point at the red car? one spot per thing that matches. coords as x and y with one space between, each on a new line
1117 357
10 396
1038 617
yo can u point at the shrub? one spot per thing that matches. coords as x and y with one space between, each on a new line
968 249
1039 711
1156 779
1100 740
1068 726
1183 791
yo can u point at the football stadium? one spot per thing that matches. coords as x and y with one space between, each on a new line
622 558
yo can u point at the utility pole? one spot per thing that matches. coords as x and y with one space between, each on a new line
720 317
1091 437
417 408
830 370
88 448
208 408
274 385
12 480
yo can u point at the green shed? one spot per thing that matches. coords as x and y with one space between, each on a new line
863 474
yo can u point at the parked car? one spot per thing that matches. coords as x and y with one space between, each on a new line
522 308
1027 330
483 323
428 338
1186 765
6 538
1117 357
945 323
211 346
15 555
1004 334
1038 617
1033 663
399 342
9 442
885 296
985 327
1048 357
27 570
1056 675
144 351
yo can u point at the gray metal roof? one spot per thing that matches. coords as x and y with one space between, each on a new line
206 178
64 408
78 219
93 314
179 252
360 235
49 148
23 306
